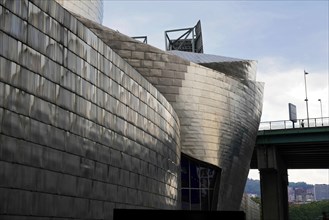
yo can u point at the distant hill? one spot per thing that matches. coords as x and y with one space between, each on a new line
301 185
253 186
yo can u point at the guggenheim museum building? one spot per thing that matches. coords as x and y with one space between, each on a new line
92 120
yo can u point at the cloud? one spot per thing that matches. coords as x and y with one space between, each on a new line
285 83
310 176
320 176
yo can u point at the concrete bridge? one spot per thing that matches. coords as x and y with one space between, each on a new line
282 145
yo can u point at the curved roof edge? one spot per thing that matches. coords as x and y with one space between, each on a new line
201 58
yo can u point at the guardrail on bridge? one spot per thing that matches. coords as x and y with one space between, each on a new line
301 123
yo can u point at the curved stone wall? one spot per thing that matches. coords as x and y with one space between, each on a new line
219 112
91 9
81 131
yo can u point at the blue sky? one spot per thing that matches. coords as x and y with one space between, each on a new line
285 37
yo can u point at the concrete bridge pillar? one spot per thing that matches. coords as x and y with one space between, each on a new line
273 182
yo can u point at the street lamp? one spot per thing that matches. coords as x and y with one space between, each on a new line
306 100
321 110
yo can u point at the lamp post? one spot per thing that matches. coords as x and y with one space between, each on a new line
321 110
306 100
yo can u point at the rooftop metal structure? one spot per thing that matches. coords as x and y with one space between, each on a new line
143 39
190 39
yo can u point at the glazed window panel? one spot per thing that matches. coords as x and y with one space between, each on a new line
194 176
195 199
186 199
204 197
199 182
185 173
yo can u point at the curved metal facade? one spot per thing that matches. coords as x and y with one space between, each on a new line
219 111
219 122
81 131
91 9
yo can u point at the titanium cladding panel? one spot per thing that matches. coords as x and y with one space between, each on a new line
81 131
91 9
219 118
219 111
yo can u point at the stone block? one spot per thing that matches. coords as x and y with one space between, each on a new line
108 210
71 164
13 25
19 8
81 208
64 206
179 75
19 202
101 172
8 148
144 71
151 56
96 209
154 72
137 55
15 124
177 82
84 187
52 159
126 54
25 177
48 181
98 190
87 168
171 97
147 63
166 81
153 80
43 204
67 185
159 65
127 46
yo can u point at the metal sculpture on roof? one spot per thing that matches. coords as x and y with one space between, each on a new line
143 39
190 40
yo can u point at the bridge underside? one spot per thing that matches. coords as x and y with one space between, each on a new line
275 152
306 148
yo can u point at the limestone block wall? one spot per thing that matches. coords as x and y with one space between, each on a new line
165 71
219 112
81 131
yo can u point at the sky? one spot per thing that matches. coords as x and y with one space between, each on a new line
284 37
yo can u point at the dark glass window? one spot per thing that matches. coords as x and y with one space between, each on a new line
185 172
195 199
205 199
185 199
199 182
194 176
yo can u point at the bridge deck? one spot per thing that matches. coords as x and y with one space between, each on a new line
301 148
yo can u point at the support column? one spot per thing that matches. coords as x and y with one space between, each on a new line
274 183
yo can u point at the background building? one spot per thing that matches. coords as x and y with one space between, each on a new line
321 192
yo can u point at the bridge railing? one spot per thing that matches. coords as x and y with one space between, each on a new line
301 123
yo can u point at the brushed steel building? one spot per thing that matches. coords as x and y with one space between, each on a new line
92 120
